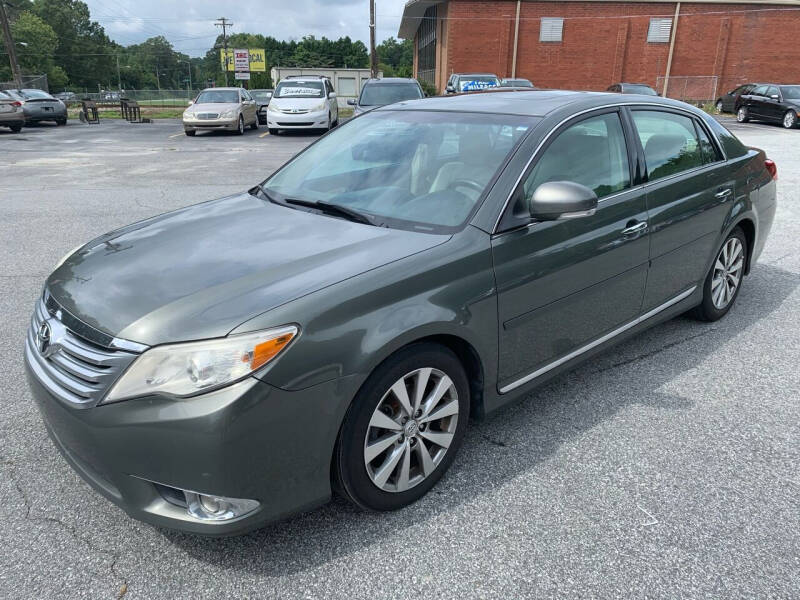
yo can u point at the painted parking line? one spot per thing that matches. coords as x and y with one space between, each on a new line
176 135
263 134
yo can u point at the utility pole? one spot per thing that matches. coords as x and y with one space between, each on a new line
373 56
224 23
12 50
119 77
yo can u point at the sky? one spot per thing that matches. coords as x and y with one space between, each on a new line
189 24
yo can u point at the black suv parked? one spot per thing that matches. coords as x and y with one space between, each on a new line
770 102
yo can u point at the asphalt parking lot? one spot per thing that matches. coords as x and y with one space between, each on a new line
668 467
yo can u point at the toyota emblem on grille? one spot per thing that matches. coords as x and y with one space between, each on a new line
43 337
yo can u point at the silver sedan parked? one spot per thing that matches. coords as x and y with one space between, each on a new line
11 114
38 105
230 109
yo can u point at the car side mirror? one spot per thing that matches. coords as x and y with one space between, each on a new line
775 96
190 102
450 89
332 95
562 200
351 101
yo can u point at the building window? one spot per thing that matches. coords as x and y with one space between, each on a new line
551 29
426 47
659 31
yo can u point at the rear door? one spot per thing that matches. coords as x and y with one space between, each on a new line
564 284
772 104
688 195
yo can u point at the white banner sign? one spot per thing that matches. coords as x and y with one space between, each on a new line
245 75
241 59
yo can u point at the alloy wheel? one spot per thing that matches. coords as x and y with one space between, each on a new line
719 106
727 273
741 115
789 119
411 430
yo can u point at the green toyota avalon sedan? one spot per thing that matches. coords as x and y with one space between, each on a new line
334 328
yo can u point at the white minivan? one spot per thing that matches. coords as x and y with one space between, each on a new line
307 102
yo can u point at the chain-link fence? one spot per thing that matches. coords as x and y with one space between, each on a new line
696 89
154 98
28 82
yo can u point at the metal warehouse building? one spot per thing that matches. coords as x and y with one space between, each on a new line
697 49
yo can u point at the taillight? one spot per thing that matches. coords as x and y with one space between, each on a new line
16 103
772 168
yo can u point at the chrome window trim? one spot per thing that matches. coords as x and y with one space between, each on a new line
540 145
593 344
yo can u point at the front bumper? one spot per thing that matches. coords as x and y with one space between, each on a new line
231 124
310 120
250 440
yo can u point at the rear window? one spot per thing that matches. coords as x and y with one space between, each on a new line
640 89
477 82
35 94
299 89
378 94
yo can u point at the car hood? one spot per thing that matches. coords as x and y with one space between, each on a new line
290 102
213 107
201 271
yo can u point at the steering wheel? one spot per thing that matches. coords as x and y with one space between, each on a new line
466 183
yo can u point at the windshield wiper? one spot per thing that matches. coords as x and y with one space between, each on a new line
334 209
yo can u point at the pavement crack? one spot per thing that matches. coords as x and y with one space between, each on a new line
494 442
646 355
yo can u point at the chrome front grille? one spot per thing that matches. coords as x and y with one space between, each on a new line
70 366
207 116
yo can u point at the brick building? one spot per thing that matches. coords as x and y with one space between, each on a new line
710 47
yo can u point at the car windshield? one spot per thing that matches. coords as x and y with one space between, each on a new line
791 92
419 170
261 95
35 94
379 94
477 82
640 89
218 97
299 89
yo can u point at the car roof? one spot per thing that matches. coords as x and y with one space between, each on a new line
474 74
527 102
391 80
227 89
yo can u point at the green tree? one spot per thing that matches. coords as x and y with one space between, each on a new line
39 43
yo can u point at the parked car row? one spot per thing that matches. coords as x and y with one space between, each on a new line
26 106
769 102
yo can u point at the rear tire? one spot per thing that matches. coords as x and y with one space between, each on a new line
61 122
742 115
724 280
254 126
719 106
16 128
405 468
790 119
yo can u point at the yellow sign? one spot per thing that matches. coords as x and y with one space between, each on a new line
258 60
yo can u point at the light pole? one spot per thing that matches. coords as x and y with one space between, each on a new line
189 64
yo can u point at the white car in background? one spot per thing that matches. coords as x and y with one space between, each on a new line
307 102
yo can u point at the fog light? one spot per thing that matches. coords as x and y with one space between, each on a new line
217 508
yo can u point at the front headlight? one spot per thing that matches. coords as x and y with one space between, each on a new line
192 368
271 108
228 114
188 114
320 106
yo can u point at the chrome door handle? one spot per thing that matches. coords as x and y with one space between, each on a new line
723 193
639 227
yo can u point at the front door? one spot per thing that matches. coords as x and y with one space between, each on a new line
562 284
687 196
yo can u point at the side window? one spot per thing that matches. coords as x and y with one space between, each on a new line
246 95
669 141
591 152
760 90
772 91
707 148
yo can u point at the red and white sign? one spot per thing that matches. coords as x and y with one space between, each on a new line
241 59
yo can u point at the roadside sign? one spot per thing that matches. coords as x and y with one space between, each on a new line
242 75
257 58
241 59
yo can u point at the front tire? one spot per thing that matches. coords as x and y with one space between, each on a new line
719 106
403 429
790 119
724 279
240 126
16 128
273 131
742 115
189 132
